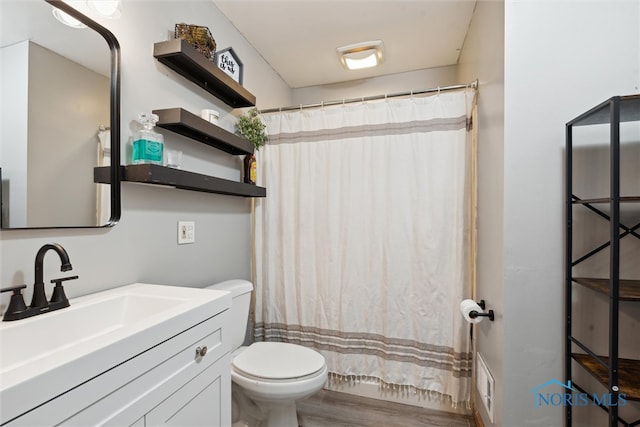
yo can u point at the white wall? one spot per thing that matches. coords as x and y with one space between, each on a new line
561 58
142 247
482 57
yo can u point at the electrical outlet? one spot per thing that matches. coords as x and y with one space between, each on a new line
186 232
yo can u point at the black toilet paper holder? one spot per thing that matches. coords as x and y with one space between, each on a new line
473 314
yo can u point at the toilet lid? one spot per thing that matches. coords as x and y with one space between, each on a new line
278 360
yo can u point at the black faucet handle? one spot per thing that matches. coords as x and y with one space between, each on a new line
59 297
16 304
15 289
59 281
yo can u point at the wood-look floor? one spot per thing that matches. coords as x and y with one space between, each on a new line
335 409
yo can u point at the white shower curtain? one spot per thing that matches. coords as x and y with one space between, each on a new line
363 241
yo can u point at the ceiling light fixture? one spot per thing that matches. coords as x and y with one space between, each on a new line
361 55
107 8
67 19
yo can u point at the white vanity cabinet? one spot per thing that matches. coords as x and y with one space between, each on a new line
175 383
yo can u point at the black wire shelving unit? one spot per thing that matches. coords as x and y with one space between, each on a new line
617 374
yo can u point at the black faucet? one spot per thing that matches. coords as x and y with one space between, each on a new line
39 304
39 299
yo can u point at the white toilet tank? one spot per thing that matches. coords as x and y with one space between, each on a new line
240 305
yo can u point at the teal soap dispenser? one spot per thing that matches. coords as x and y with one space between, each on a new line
148 145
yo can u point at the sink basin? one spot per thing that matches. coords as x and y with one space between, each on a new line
46 355
77 324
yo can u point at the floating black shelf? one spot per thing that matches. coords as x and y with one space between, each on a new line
188 124
182 58
161 175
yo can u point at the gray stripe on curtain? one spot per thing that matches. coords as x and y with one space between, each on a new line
400 350
418 126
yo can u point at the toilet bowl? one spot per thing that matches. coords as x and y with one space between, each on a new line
272 375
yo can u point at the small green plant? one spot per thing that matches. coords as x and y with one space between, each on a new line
251 126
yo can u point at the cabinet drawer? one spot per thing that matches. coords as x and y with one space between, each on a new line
128 391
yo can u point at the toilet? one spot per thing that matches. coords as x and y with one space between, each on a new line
268 377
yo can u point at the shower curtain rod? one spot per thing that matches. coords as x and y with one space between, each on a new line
473 84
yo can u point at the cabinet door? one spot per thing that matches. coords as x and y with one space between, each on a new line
203 401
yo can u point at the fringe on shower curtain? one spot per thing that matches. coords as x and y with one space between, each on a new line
363 243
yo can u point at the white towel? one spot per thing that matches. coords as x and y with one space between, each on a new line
103 193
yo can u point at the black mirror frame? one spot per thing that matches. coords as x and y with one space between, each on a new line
114 48
114 109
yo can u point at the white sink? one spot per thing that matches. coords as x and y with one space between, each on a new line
46 355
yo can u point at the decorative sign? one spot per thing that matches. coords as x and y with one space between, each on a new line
228 61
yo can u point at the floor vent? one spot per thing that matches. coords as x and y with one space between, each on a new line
486 385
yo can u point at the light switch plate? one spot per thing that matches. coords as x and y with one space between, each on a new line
186 232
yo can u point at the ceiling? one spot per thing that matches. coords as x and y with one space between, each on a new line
32 20
299 37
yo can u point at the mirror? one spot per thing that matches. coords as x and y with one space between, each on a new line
59 118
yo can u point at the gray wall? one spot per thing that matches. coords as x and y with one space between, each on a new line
482 57
561 58
68 127
539 64
142 247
